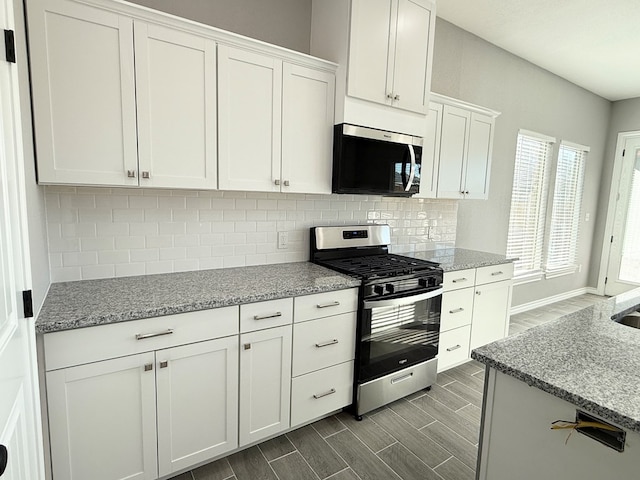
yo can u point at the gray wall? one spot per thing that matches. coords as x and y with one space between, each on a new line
471 69
286 23
625 117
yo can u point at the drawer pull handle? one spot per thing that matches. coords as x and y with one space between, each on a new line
330 392
493 274
463 279
142 336
164 364
330 304
401 379
457 310
451 349
326 344
264 317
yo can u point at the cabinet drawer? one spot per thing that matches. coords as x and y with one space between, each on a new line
325 304
457 308
494 273
261 315
323 342
459 279
321 392
454 347
85 345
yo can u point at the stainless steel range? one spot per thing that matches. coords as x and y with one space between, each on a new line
399 312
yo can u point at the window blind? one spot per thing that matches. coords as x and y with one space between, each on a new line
567 200
529 202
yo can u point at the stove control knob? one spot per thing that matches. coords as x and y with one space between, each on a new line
423 282
378 290
390 287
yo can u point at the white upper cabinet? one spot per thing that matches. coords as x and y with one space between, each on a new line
385 50
82 71
457 151
176 105
275 124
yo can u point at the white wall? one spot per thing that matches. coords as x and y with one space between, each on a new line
471 69
103 232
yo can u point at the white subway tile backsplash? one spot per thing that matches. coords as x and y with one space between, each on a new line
106 232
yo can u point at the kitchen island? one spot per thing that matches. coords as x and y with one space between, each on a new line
582 362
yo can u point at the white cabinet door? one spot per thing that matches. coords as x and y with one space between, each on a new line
490 312
265 383
453 150
249 120
102 420
176 105
197 402
307 129
82 73
413 47
431 153
370 50
478 164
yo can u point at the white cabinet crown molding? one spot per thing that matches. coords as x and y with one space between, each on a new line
443 99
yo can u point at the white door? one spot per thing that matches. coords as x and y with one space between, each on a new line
624 255
197 402
413 47
176 105
478 164
249 120
490 313
307 129
20 428
83 93
370 50
102 420
453 151
265 383
431 153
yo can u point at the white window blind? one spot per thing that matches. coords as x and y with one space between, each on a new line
529 202
567 201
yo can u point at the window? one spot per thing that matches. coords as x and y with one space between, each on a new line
529 202
544 229
567 200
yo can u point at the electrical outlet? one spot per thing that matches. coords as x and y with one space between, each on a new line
283 239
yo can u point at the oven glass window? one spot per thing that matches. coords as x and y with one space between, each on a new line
393 338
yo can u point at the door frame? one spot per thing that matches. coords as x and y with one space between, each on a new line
611 208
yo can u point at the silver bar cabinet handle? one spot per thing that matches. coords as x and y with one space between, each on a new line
457 310
493 274
326 344
263 317
402 379
330 304
142 336
463 279
451 349
330 392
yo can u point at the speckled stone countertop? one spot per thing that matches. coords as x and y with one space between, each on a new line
584 358
451 259
96 302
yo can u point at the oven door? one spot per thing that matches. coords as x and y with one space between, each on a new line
398 332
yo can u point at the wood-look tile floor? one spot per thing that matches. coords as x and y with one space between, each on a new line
430 435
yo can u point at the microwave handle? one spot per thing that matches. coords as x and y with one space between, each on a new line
412 172
398 302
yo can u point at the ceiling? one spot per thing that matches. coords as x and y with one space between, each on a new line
592 43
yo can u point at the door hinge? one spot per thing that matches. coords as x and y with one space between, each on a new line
10 46
27 303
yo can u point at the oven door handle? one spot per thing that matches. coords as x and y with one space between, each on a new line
398 302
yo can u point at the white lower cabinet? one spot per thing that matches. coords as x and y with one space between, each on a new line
265 383
490 313
102 420
453 347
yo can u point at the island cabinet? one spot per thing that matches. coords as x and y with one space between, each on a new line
119 100
458 147
475 311
142 399
286 110
385 50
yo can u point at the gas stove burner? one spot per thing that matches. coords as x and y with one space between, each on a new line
379 266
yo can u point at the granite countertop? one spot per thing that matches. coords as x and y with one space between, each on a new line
87 303
584 358
451 259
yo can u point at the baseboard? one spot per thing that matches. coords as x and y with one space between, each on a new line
548 300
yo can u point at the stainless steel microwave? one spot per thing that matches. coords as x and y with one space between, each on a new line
371 161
